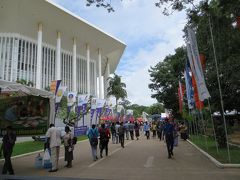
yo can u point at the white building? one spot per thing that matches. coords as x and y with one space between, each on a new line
41 41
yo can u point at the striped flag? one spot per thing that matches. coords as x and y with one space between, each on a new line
195 63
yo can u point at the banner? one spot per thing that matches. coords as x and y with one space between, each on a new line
180 96
82 99
198 103
100 105
54 86
196 67
94 103
189 88
71 99
60 92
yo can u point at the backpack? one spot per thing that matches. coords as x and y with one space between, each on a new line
103 135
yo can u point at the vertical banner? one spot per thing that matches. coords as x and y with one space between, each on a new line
189 88
61 90
196 67
71 99
181 90
55 85
100 105
82 105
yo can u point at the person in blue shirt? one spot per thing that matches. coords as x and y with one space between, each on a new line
168 133
93 139
146 129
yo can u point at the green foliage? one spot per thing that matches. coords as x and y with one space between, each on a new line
222 155
137 109
156 108
116 88
165 77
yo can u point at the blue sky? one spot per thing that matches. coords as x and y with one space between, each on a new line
149 36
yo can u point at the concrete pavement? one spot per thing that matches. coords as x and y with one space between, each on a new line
143 159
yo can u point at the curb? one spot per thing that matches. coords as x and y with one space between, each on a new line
35 152
216 162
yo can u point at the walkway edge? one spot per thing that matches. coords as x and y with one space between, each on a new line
35 152
216 162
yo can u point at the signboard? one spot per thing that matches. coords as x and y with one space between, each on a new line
82 130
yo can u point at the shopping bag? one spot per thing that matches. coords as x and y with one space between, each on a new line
47 160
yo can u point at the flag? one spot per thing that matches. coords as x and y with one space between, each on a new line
189 88
198 103
54 86
195 63
59 96
60 92
180 96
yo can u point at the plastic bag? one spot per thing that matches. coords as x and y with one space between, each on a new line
46 160
46 155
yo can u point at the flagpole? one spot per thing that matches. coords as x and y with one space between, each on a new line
204 130
214 132
220 90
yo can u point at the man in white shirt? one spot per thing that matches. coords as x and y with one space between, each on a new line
54 138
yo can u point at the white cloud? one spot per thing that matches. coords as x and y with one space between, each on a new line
149 36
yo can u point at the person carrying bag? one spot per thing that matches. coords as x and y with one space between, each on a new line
93 139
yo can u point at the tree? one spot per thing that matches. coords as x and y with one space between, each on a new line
116 88
156 108
165 77
178 5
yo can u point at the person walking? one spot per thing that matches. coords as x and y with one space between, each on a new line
126 126
68 145
168 132
7 148
146 129
121 132
136 128
93 139
131 129
117 132
54 139
154 129
113 132
104 139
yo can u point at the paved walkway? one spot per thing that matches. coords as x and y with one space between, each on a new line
143 159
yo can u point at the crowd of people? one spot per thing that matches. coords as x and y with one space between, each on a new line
99 136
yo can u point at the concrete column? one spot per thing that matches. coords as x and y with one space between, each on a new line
88 69
74 66
106 78
39 58
58 58
100 74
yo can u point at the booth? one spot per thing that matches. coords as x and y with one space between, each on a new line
28 110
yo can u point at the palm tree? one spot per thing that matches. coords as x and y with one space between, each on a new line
116 88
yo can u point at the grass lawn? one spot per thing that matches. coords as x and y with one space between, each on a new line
31 146
210 147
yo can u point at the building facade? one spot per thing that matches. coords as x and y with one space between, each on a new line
38 47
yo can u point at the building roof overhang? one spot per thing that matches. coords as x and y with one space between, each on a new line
23 17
